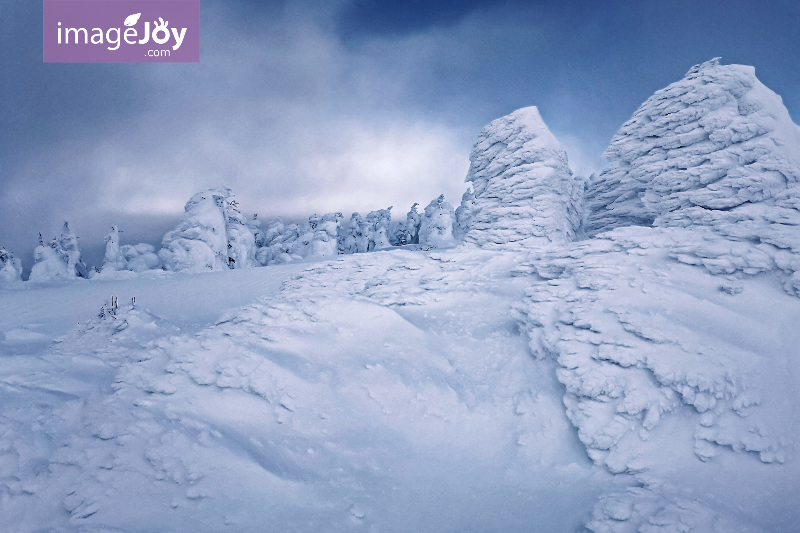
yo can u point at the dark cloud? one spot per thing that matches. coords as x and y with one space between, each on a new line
305 106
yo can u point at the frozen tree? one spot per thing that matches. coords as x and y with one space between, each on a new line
114 259
267 239
524 191
324 242
48 263
378 227
213 235
436 228
407 232
464 214
10 268
716 149
354 236
241 241
61 259
67 247
140 257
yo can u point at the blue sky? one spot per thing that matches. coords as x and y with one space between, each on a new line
304 107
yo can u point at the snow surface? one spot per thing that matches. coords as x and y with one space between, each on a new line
385 391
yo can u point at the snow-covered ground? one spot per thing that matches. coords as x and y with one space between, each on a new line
391 391
406 391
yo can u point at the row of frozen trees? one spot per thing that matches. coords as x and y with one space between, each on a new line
215 235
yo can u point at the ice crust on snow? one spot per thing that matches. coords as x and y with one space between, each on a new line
716 149
524 190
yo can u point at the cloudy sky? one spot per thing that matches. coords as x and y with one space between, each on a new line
308 107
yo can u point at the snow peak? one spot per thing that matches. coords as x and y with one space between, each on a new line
84 31
114 36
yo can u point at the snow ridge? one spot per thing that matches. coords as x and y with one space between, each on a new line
524 191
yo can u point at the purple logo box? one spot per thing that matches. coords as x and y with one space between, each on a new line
121 31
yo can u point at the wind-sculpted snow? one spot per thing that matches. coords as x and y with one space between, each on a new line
672 371
524 191
389 391
716 149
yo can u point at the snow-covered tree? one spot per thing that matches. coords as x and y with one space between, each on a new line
464 214
524 189
407 232
140 257
67 246
61 259
378 227
114 259
716 149
354 236
241 242
10 268
213 235
436 227
48 264
324 242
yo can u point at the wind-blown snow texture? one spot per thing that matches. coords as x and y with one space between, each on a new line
643 379
524 191
716 149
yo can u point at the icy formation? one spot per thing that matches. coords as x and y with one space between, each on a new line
133 258
715 149
140 257
407 232
113 259
524 191
59 260
669 367
436 227
212 236
10 268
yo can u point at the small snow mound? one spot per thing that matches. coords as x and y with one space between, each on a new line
524 191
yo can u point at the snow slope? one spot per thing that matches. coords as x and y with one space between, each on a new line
686 379
390 391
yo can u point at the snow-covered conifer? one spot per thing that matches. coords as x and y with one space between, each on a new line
324 241
213 235
408 232
140 257
114 259
464 214
354 236
524 189
10 268
378 227
716 149
48 264
436 228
